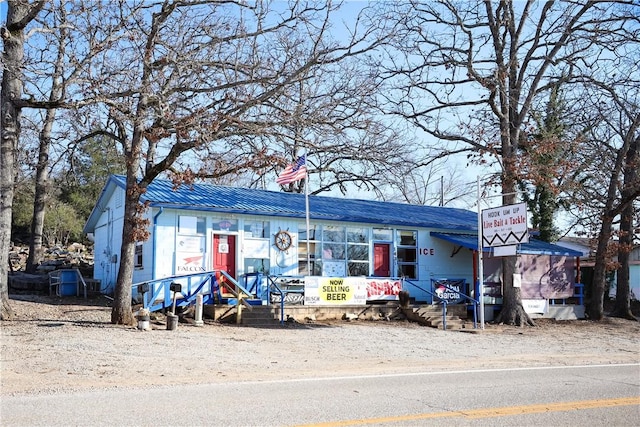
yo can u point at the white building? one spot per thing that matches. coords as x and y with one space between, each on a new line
243 231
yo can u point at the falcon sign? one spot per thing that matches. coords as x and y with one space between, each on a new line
504 226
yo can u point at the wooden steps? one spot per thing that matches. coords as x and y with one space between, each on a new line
269 315
431 315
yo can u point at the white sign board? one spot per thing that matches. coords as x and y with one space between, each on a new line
535 306
505 225
335 290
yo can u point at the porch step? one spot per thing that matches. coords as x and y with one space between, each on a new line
269 315
260 315
431 315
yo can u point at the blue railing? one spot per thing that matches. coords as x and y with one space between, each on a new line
253 283
435 297
158 295
578 292
274 289
161 294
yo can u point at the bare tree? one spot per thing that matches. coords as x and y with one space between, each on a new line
19 14
611 188
470 73
211 79
631 182
54 57
42 166
330 114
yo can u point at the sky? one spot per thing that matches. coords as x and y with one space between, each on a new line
468 174
347 15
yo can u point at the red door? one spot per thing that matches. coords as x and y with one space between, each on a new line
381 261
224 256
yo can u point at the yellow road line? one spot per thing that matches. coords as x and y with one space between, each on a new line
491 412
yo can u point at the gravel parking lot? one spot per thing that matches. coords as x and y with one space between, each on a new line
63 344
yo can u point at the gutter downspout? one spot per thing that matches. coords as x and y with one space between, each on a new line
153 257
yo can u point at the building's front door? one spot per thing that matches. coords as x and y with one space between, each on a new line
224 256
381 260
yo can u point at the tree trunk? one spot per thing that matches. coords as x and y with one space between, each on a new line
39 204
622 307
121 313
11 89
512 312
19 14
595 305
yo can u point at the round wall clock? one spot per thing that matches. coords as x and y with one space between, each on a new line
283 240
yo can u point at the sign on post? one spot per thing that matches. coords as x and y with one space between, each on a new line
505 225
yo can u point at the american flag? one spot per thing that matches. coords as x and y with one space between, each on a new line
294 172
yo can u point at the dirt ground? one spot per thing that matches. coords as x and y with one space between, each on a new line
61 344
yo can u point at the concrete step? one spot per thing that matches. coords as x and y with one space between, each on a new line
432 316
436 310
269 315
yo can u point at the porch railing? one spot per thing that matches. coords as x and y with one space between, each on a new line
157 295
444 302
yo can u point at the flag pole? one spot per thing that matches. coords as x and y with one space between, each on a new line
306 205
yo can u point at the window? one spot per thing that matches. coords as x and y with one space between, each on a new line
382 234
224 224
192 225
333 243
315 259
119 196
256 229
407 242
256 265
137 263
337 249
357 251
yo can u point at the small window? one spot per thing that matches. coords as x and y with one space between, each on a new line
302 232
357 235
256 265
333 251
407 237
256 229
191 225
333 234
225 224
358 268
138 256
119 197
406 255
382 234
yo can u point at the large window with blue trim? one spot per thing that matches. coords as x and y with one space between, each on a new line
334 250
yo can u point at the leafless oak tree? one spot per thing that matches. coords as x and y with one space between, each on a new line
608 198
467 73
19 14
210 80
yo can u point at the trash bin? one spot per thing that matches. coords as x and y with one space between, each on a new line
68 283
172 322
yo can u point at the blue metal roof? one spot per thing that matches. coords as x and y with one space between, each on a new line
214 198
533 247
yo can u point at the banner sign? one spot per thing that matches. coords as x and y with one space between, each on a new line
335 290
449 290
383 289
504 226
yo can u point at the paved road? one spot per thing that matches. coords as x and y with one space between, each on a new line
569 395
